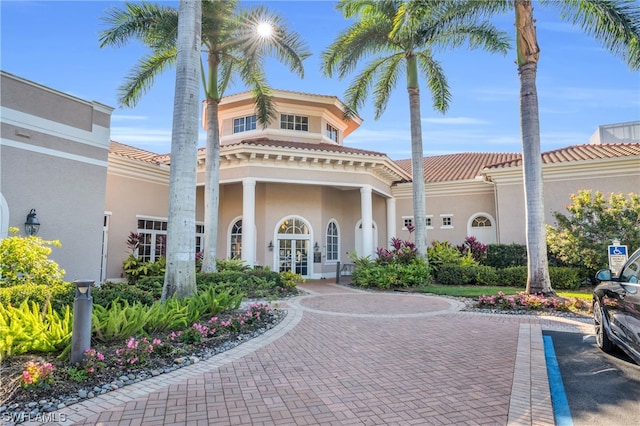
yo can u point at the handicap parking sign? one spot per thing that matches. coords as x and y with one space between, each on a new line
617 258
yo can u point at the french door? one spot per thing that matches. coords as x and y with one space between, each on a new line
293 256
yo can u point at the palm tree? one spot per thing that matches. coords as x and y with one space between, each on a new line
397 33
233 47
616 24
180 278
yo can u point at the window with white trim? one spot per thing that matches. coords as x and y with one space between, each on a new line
429 221
332 132
153 239
447 221
244 124
407 222
294 122
333 242
236 240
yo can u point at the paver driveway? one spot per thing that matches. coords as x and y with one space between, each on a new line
347 357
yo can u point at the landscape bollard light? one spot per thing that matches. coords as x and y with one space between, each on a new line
81 333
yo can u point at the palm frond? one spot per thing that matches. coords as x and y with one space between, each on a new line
615 24
141 77
386 83
149 23
436 81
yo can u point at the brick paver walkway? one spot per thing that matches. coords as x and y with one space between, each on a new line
347 357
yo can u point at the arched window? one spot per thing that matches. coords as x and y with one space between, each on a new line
236 240
333 246
293 226
482 226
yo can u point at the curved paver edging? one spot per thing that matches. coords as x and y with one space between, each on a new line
452 305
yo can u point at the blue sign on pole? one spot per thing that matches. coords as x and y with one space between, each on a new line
617 250
617 258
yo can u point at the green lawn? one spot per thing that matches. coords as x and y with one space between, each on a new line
476 291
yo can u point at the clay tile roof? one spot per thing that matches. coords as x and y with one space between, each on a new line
324 147
579 153
453 167
133 153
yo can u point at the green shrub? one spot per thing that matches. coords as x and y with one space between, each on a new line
565 278
506 255
135 269
60 294
581 237
513 276
467 275
25 260
290 279
223 265
110 291
392 275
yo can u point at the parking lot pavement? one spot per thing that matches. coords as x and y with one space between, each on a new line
601 389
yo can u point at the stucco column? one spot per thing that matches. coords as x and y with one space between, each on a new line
391 220
366 206
248 221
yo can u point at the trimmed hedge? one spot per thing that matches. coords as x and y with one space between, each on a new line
505 255
562 278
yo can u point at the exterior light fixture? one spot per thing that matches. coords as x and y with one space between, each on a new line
32 225
316 247
270 246
82 311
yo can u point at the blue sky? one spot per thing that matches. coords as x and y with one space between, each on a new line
580 85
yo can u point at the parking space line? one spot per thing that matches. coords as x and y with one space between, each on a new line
561 410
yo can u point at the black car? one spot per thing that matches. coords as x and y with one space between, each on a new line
616 308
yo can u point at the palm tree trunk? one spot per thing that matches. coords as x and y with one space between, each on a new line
212 188
180 276
528 53
417 159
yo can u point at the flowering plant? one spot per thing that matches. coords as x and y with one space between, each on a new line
37 374
530 301
93 361
136 350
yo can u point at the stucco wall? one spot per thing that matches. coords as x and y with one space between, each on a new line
53 158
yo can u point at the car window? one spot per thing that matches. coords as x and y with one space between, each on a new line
631 272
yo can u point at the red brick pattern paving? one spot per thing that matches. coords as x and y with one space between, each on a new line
352 358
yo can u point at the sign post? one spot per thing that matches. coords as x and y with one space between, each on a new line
617 257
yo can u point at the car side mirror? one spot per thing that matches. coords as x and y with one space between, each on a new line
603 275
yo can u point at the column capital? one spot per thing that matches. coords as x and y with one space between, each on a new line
366 189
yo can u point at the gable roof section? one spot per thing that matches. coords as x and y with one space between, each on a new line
578 153
456 167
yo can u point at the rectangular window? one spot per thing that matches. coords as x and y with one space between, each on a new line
294 122
332 133
244 124
153 239
447 221
430 222
407 222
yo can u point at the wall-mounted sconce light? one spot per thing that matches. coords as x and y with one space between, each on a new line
316 247
32 225
270 246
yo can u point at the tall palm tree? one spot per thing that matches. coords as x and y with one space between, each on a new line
180 278
233 48
616 24
399 33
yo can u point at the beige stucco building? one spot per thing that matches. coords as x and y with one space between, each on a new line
293 196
